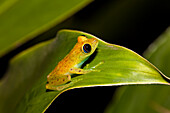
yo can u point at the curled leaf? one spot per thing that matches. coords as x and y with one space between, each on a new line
26 77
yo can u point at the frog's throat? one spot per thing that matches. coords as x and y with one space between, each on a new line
82 62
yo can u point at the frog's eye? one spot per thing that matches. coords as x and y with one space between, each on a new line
86 48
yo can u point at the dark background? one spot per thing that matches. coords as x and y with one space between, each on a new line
134 24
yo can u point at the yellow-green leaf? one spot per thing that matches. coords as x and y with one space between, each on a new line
147 99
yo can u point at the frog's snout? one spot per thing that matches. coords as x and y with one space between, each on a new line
94 41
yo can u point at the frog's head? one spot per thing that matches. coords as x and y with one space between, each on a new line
88 46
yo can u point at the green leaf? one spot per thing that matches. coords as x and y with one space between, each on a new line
23 87
147 99
21 20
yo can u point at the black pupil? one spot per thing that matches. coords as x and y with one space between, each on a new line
87 48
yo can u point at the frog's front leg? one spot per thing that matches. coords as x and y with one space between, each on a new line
81 71
86 70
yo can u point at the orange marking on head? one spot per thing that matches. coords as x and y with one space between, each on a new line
81 38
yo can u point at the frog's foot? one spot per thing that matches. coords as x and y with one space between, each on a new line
100 63
61 87
58 88
87 65
92 69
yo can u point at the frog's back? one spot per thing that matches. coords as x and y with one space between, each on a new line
70 61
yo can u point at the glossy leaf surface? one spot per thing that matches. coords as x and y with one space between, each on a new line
26 76
147 99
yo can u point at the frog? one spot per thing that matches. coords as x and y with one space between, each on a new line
60 77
